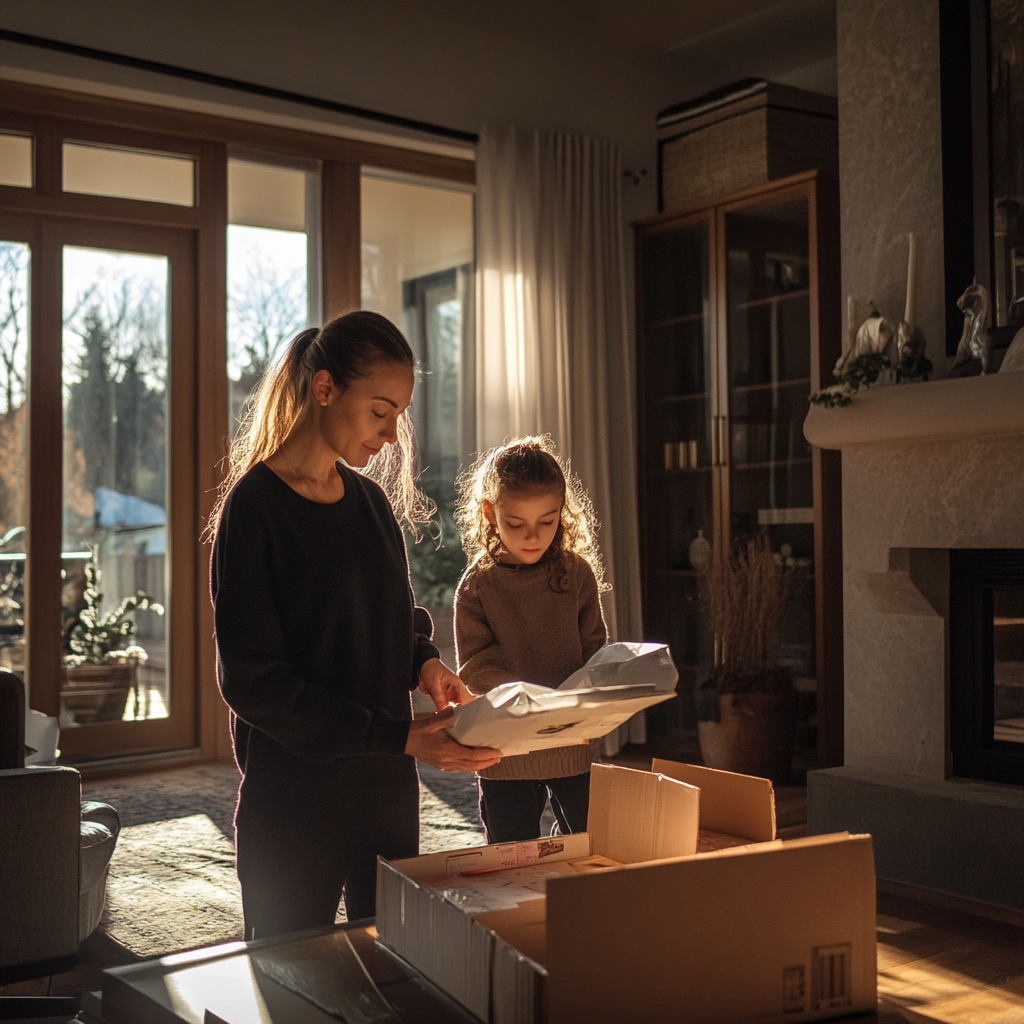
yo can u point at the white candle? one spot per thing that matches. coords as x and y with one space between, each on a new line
911 274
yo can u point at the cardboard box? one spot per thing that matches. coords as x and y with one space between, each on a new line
425 917
634 924
618 681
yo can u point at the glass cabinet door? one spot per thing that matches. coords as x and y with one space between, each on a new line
766 383
678 402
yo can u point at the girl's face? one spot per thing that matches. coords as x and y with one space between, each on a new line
359 421
526 523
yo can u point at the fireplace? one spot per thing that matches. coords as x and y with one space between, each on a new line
986 664
933 630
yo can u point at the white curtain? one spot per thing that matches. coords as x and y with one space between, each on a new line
553 348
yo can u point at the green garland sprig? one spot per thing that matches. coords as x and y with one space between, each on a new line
864 371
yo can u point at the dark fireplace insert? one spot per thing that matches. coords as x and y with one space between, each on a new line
986 664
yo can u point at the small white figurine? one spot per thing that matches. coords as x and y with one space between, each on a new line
896 339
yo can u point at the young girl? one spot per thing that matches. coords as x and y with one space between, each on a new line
318 640
528 608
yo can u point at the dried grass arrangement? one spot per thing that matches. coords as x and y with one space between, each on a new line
747 709
747 594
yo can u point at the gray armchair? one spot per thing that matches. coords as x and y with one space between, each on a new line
54 854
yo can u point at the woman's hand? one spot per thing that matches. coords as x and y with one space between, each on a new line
429 742
442 685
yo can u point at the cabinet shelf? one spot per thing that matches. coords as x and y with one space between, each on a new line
690 318
671 399
804 460
769 299
746 389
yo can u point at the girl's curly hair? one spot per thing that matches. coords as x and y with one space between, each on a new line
527 465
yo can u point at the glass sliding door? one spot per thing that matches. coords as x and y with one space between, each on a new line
122 602
15 259
114 545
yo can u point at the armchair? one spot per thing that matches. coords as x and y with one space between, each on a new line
54 852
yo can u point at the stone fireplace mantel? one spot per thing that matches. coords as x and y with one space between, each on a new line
942 409
927 468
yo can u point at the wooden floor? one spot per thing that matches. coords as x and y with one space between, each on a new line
936 964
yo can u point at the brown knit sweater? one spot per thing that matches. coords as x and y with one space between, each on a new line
519 623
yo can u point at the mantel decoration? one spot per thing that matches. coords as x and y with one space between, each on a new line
102 668
747 709
881 350
975 342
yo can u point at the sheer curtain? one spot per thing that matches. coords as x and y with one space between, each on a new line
553 349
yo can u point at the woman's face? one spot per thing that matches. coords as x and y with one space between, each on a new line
526 523
359 421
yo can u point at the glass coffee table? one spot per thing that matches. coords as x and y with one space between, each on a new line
317 977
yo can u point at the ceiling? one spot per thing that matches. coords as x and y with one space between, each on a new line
726 39
659 25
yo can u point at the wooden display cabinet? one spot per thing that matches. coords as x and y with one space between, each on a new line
739 320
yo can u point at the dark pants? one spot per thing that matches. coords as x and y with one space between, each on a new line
304 839
511 809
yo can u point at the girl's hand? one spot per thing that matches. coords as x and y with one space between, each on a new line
442 685
429 742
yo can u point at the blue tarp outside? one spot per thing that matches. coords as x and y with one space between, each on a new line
115 510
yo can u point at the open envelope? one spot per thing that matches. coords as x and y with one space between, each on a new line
617 682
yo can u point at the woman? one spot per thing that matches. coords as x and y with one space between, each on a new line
318 640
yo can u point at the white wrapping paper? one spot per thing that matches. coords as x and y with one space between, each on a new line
617 682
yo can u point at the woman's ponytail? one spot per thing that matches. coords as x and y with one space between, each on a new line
268 415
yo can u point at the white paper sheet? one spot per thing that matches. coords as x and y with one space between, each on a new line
617 682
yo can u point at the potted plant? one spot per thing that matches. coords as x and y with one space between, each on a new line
747 709
102 666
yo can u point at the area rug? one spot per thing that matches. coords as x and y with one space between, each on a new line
172 884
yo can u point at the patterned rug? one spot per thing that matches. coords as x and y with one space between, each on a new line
172 884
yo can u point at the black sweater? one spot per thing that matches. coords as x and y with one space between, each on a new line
314 614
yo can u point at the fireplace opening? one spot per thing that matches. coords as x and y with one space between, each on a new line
986 664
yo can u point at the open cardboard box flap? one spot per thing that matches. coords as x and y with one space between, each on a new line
733 804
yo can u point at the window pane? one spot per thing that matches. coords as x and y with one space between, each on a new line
417 250
265 196
115 486
269 268
15 160
14 267
129 174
